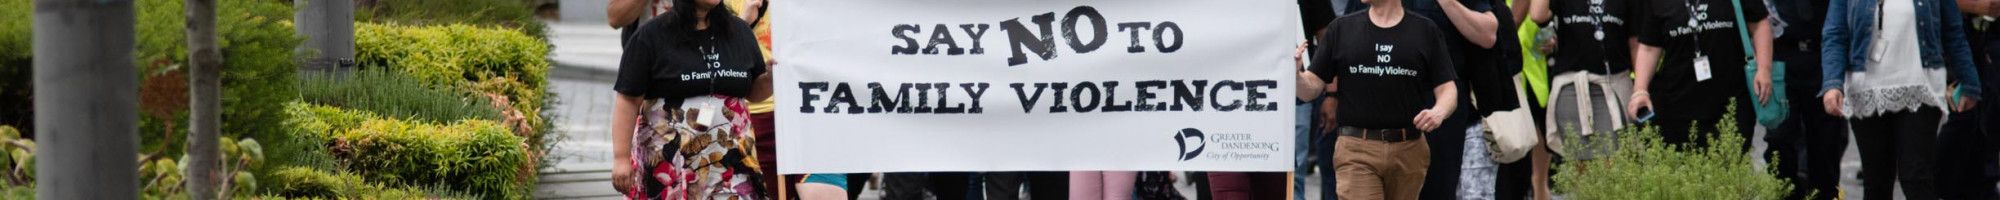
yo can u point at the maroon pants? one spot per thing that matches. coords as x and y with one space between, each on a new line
1247 185
767 151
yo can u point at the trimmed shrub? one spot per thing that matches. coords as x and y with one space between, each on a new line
395 95
514 14
1646 168
312 183
453 54
474 156
486 60
309 183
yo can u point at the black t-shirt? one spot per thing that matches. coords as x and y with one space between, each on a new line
1386 74
1430 9
1480 70
1591 36
1675 27
672 61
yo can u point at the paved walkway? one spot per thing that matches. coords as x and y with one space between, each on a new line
586 57
583 92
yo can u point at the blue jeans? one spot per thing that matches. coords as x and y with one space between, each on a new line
1307 144
1302 132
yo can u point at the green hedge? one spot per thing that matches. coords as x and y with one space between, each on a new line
483 59
515 14
309 183
1646 168
474 156
396 95
452 54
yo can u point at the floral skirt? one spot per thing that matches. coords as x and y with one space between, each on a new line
701 149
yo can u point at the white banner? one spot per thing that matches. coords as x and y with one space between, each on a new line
1039 85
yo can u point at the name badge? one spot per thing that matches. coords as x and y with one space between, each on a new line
1702 72
708 115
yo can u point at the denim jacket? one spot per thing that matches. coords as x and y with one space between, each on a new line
1850 26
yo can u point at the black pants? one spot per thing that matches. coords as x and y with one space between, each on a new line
912 186
1898 146
1675 130
1200 180
1967 155
1447 145
1808 147
856 182
1515 181
1323 146
1040 185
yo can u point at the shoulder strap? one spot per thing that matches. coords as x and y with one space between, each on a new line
1743 29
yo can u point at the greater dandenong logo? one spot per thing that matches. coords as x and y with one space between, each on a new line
1182 138
1229 146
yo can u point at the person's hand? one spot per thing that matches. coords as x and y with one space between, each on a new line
1763 84
1428 119
1966 104
1640 100
1298 57
623 177
1831 102
1327 117
1548 46
1992 7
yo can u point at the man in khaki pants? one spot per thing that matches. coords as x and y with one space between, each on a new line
1397 77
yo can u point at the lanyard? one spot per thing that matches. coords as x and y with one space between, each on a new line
1694 27
1596 9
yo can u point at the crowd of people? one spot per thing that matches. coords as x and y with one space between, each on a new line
1902 77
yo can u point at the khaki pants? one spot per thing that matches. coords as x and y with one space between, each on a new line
1374 169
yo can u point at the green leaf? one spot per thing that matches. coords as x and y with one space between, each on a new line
253 151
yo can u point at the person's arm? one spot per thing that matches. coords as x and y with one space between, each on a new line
1519 8
1479 27
1538 10
1443 73
1833 57
1322 61
761 88
760 68
1447 99
1979 7
622 13
1958 57
1644 59
1760 34
750 10
624 114
1309 84
635 70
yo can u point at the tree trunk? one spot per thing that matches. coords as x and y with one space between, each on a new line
205 93
86 100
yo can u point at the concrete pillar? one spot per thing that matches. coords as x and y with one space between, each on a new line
86 100
328 26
